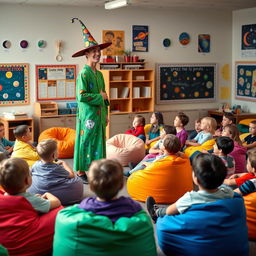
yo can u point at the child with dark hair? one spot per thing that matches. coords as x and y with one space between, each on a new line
138 127
6 146
208 174
106 180
193 133
228 118
250 141
23 147
223 146
180 121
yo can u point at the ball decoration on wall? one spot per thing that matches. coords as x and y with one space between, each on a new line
41 43
166 42
184 38
23 44
6 44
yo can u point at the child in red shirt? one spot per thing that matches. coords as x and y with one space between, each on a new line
138 127
240 178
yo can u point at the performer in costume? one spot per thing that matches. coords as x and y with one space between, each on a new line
92 107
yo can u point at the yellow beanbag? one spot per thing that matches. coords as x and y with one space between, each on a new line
250 205
146 130
65 138
191 151
246 121
166 180
243 135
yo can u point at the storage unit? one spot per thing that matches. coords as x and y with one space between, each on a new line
121 65
130 91
10 124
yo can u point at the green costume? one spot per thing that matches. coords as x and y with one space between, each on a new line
91 119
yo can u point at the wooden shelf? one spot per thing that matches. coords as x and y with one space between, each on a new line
122 65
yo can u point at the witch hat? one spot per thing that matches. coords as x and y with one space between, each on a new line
89 41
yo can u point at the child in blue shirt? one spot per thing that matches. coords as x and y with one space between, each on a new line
6 146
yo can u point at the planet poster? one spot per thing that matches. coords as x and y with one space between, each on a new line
14 86
140 38
186 83
246 81
204 43
248 41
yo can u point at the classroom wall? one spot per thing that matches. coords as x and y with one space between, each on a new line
241 17
53 23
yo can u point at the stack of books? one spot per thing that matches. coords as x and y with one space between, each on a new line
15 115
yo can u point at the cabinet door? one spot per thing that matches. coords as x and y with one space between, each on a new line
71 122
49 122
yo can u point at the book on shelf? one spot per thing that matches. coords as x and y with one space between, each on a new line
125 92
136 92
132 66
146 91
113 93
17 115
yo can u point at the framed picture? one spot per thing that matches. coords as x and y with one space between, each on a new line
140 38
248 40
14 84
245 81
55 82
181 83
116 37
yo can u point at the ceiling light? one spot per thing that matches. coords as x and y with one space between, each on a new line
115 4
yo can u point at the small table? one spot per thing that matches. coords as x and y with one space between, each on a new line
238 117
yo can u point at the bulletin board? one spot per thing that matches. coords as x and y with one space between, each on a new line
14 84
55 82
246 81
181 83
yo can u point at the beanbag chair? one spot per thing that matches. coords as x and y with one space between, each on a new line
22 230
243 135
3 251
78 232
211 229
166 179
246 121
65 138
125 148
192 151
243 125
250 205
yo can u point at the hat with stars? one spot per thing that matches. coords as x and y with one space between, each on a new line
89 41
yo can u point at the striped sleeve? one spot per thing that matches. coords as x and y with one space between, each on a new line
248 187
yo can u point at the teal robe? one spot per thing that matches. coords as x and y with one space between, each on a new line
91 119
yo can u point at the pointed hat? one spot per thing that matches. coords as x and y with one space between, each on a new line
89 41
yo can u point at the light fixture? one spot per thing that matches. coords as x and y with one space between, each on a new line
115 4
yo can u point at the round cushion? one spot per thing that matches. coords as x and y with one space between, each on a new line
246 121
65 138
166 180
79 232
217 228
125 148
250 205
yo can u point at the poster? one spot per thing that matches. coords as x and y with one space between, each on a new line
116 37
204 43
14 84
248 40
139 38
181 83
56 82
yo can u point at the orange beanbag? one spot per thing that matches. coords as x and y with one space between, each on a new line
65 138
166 180
250 205
125 148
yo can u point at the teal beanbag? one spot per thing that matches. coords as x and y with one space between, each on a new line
3 251
78 232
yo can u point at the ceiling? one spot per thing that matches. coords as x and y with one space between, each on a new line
195 4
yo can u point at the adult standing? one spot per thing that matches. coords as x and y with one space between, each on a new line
92 107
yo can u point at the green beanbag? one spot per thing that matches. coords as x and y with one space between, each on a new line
3 251
78 232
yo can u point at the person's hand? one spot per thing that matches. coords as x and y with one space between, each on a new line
234 176
10 149
104 95
60 162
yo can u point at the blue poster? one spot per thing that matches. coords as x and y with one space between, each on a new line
139 38
248 40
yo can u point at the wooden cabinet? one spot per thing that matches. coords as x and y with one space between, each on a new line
11 124
129 91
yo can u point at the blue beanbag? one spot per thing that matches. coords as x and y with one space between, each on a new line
212 229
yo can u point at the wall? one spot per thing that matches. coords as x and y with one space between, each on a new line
241 17
53 23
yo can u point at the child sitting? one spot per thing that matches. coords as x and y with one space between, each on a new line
157 122
180 121
23 147
223 146
55 177
208 174
239 151
240 178
193 134
6 146
106 180
250 141
15 178
228 118
171 146
138 127
208 126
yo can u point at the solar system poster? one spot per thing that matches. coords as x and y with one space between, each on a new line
246 81
183 83
248 42
140 38
14 86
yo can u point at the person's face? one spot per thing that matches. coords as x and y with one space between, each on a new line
94 55
252 128
198 126
136 122
162 133
28 136
153 119
225 121
249 166
204 125
1 132
226 132
177 122
215 149
108 38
